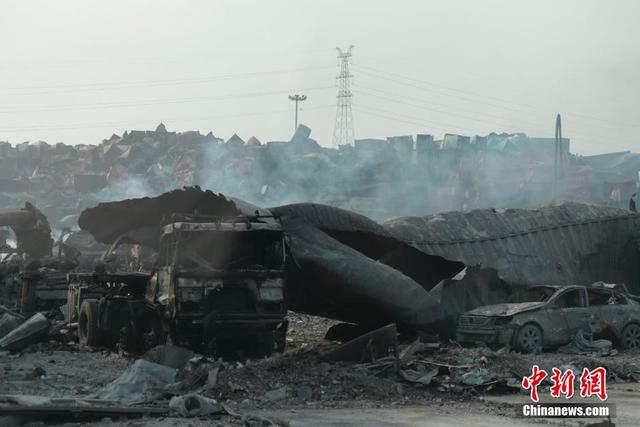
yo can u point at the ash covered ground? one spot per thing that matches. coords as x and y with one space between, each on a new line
453 382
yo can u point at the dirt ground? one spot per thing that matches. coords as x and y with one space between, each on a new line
299 383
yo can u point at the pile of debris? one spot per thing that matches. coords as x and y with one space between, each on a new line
18 332
370 371
380 178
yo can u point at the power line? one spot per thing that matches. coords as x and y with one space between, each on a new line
482 96
424 107
464 92
428 105
205 58
396 119
73 126
413 120
453 114
160 101
586 136
93 87
415 86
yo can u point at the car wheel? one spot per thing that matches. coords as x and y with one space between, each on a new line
631 337
529 339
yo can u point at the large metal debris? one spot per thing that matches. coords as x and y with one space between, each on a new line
350 228
371 346
33 329
563 244
333 280
8 322
471 288
32 231
46 409
351 268
108 221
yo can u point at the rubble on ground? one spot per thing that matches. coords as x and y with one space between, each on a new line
234 392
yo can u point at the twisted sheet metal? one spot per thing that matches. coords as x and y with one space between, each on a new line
564 244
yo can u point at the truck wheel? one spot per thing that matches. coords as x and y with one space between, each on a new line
631 337
88 333
529 339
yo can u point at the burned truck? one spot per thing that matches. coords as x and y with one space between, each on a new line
33 273
218 287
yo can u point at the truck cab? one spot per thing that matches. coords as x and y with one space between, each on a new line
222 283
218 287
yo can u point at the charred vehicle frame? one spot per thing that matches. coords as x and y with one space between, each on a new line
546 316
219 287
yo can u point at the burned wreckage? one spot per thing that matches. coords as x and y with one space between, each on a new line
546 316
225 272
218 283
33 273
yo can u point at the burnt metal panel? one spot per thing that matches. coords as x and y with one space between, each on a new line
563 244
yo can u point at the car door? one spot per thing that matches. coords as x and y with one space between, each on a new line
612 316
555 327
570 305
604 309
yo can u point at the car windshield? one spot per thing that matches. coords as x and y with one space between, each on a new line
231 250
536 294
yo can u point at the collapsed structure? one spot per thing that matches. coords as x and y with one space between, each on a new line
348 260
408 270
561 244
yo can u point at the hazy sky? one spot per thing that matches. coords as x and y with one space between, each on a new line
78 71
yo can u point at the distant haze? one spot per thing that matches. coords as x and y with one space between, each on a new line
77 71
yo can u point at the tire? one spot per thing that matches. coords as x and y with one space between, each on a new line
631 337
529 339
88 332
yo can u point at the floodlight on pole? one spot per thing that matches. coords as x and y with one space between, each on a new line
297 98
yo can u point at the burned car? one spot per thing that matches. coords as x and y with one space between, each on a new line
547 316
